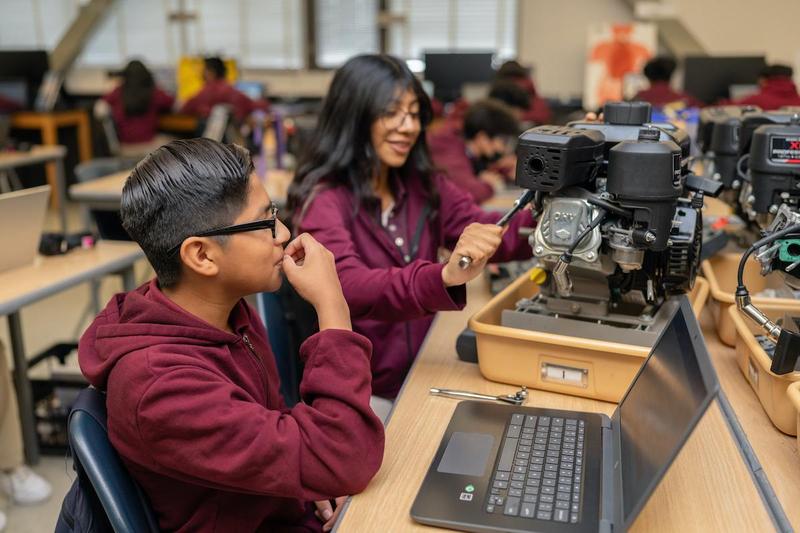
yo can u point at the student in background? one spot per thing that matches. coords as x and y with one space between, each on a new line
367 190
659 72
776 89
512 95
538 111
21 484
468 156
136 104
194 406
217 90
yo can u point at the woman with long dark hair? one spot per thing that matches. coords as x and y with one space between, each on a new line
366 189
136 104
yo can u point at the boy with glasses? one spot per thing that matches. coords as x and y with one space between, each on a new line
193 398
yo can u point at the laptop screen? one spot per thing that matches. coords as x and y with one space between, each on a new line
660 410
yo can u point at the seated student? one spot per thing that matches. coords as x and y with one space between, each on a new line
776 89
538 111
21 484
193 399
467 156
512 95
217 90
366 189
659 72
136 104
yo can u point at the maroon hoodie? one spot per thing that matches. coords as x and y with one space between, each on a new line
393 301
775 93
196 414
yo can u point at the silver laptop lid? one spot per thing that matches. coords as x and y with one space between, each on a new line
22 215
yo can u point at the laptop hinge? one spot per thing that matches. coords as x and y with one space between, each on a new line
607 497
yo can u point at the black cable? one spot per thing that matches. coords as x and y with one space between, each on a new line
741 173
567 256
755 246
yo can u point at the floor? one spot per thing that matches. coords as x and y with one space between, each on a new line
61 317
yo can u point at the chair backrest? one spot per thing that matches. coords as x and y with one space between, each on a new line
218 122
289 320
123 501
102 112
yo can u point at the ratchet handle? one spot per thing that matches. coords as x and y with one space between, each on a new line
465 262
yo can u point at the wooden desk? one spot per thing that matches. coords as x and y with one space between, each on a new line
50 156
48 124
46 277
105 193
776 451
178 122
708 487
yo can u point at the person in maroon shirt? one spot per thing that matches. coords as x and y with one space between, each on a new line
366 189
538 111
194 407
659 72
776 89
136 104
217 90
467 156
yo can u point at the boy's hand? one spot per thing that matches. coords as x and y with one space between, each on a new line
311 269
326 514
478 241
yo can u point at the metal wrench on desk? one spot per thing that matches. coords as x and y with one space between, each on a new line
518 398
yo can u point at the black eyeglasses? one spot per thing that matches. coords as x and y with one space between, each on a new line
269 223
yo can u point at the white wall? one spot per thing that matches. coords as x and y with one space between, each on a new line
743 27
552 33
552 37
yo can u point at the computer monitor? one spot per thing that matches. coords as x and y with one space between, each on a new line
253 89
13 94
28 65
449 71
710 78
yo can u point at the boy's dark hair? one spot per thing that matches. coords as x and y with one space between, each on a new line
217 66
181 189
776 71
660 68
491 117
510 94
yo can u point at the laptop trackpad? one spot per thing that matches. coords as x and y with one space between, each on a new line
466 454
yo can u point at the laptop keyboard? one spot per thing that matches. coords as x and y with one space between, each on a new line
540 471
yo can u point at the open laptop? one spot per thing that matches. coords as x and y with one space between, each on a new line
506 468
22 215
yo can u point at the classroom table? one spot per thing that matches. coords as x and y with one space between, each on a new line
105 193
709 487
48 124
48 276
776 452
49 155
178 123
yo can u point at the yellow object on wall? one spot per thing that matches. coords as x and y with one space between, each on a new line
190 75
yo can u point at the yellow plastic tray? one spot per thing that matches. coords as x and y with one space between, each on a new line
720 271
793 392
594 369
770 388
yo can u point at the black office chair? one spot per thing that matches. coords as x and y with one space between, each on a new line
289 320
123 502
